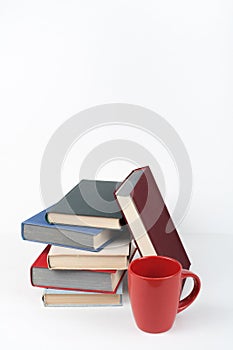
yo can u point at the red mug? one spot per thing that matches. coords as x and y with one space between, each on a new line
155 284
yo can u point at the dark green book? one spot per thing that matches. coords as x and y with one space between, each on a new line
90 203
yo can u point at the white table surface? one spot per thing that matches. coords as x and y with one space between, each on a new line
26 323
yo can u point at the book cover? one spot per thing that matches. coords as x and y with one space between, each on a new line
88 280
148 217
90 203
37 229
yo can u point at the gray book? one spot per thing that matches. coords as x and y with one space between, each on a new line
90 203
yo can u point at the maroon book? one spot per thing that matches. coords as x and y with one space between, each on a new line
148 218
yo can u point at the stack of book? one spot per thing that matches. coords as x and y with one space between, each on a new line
87 247
89 236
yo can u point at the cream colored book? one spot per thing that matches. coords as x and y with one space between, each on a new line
114 256
55 297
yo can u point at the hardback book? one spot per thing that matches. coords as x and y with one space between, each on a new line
148 218
38 229
56 297
90 203
113 257
88 280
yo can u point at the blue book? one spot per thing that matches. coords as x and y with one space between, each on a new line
37 229
55 297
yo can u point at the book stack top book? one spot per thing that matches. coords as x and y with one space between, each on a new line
91 203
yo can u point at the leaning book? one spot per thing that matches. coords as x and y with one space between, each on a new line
148 217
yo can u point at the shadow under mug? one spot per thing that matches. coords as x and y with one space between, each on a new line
155 284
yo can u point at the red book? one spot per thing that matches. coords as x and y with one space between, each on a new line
106 281
148 218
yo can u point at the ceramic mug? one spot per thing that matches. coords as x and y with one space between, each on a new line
155 284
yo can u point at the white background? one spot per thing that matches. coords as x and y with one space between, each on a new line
60 57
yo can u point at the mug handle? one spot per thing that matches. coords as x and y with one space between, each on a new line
183 304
